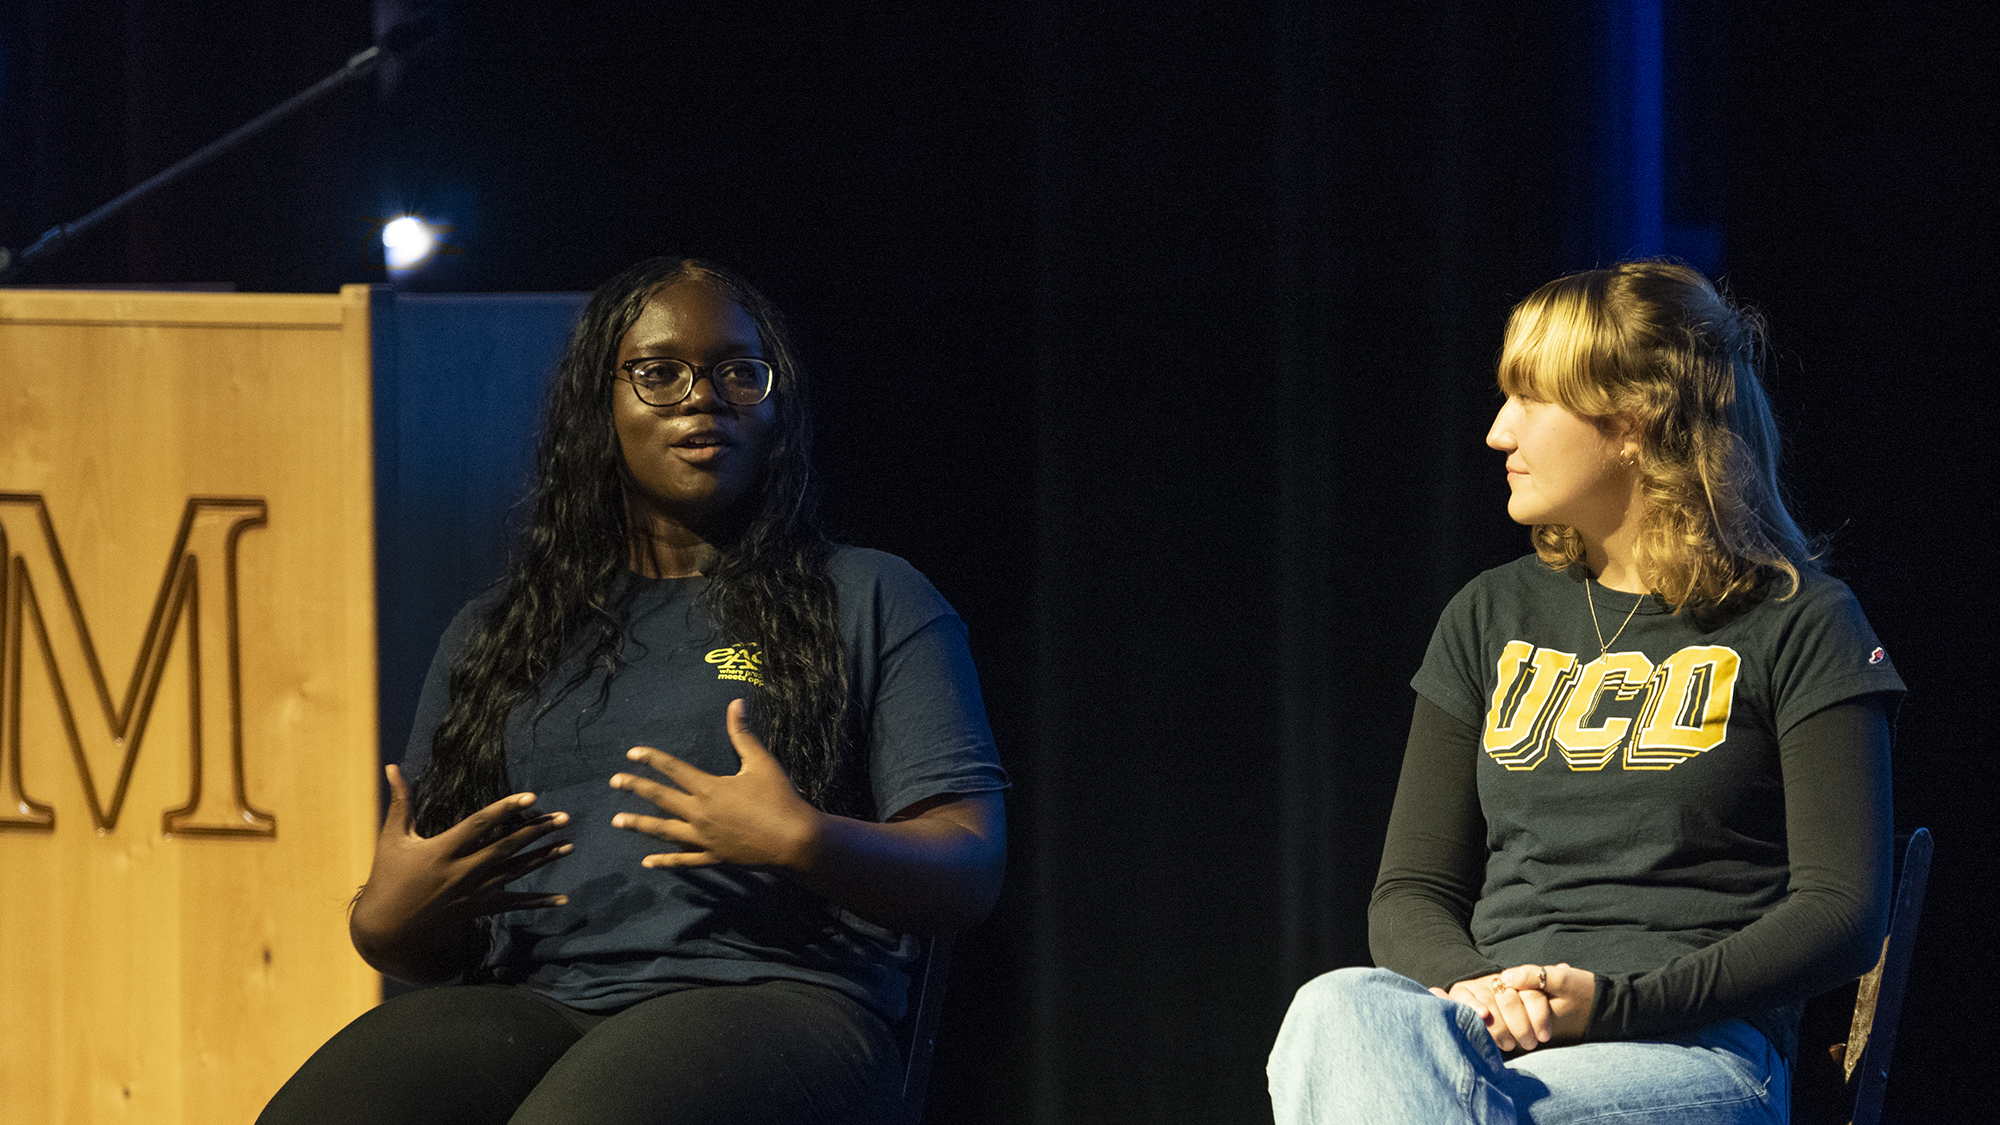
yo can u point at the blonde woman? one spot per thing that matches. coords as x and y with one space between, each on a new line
1644 811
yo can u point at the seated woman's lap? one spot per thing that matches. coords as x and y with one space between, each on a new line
775 1053
492 1054
1370 1045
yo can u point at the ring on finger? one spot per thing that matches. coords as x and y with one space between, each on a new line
1544 985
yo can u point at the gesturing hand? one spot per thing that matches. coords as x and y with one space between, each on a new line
751 817
411 918
1529 1005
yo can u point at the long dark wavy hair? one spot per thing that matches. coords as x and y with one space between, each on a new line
561 592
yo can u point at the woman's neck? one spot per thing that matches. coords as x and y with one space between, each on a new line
678 553
1614 564
665 545
1611 544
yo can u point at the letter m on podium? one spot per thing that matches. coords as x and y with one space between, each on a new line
42 615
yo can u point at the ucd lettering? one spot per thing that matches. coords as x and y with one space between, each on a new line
1619 706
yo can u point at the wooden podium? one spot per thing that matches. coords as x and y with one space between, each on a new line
188 738
232 528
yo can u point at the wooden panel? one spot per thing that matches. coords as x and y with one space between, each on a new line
183 479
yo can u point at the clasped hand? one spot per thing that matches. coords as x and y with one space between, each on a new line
752 817
1529 1005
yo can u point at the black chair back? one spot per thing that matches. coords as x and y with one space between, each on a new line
1878 1005
920 1023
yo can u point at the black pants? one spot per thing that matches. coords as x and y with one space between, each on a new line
769 1053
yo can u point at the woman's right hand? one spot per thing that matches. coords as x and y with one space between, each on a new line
1529 1005
414 918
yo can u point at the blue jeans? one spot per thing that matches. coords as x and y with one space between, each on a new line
1369 1046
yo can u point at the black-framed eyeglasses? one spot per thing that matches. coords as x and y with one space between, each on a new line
659 381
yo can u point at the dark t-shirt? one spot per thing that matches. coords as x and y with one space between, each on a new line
1634 803
628 932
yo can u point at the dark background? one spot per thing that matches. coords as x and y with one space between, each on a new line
1160 336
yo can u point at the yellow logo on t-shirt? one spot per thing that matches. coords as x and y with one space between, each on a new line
1545 698
739 662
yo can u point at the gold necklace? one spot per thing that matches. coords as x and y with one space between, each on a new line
1604 646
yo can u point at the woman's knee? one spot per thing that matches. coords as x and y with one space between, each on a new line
1367 1011
1372 1045
1332 1007
1354 989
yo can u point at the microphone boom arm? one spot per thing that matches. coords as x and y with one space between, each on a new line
360 65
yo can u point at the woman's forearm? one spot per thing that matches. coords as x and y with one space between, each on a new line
1829 927
936 868
412 955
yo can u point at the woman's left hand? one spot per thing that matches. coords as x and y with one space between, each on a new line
1566 992
752 817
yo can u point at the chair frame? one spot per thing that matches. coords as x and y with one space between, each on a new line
927 981
1878 1002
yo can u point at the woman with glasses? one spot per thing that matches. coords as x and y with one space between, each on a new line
683 784
1644 810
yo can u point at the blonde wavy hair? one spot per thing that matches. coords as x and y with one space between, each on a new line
1655 342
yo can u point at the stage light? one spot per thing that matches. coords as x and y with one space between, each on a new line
407 243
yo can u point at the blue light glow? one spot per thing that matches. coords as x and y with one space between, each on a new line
1646 125
407 243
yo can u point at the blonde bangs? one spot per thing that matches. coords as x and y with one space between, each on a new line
1558 346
